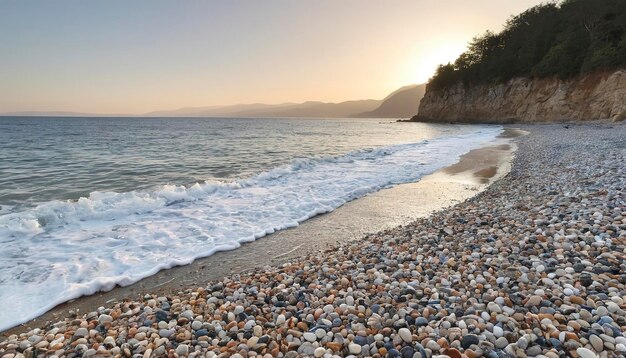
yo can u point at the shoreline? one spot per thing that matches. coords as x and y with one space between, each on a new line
373 213
532 266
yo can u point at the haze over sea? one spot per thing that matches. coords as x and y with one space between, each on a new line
88 203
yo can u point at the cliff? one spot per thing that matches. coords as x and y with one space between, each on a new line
597 96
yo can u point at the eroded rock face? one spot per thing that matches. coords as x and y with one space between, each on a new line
598 96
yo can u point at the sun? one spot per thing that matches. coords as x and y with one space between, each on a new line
426 63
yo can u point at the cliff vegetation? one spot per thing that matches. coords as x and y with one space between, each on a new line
557 39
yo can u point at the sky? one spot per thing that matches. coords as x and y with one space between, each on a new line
132 57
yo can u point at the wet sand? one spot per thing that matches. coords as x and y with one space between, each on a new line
379 211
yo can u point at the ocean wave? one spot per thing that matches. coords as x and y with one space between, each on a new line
61 250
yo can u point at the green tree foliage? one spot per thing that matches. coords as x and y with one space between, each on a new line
553 39
445 76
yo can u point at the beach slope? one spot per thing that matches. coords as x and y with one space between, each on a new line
534 265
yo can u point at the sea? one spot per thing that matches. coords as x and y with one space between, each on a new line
90 203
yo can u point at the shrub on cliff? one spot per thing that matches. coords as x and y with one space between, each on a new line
555 39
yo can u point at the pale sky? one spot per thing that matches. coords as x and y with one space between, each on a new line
138 56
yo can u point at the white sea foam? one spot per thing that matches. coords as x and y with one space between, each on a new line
62 250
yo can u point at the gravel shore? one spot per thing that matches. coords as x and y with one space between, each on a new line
533 266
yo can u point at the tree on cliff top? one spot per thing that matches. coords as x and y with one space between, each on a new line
554 39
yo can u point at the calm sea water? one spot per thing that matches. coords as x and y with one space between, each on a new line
88 203
44 159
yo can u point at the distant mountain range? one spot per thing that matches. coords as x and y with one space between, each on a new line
402 103
306 109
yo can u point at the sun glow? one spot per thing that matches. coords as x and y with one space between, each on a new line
425 64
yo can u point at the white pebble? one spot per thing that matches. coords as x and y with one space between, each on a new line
497 331
585 353
405 334
309 336
319 351
354 348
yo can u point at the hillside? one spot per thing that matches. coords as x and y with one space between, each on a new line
313 109
596 96
561 40
402 103
303 110
554 62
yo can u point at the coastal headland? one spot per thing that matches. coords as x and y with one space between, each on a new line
597 96
533 265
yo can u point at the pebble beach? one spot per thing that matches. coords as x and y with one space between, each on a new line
535 266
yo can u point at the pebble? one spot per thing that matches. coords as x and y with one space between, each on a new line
596 343
319 352
522 343
309 336
104 318
501 342
354 348
81 332
533 301
469 340
405 334
585 353
182 350
497 331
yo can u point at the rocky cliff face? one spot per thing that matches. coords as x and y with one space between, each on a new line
598 96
